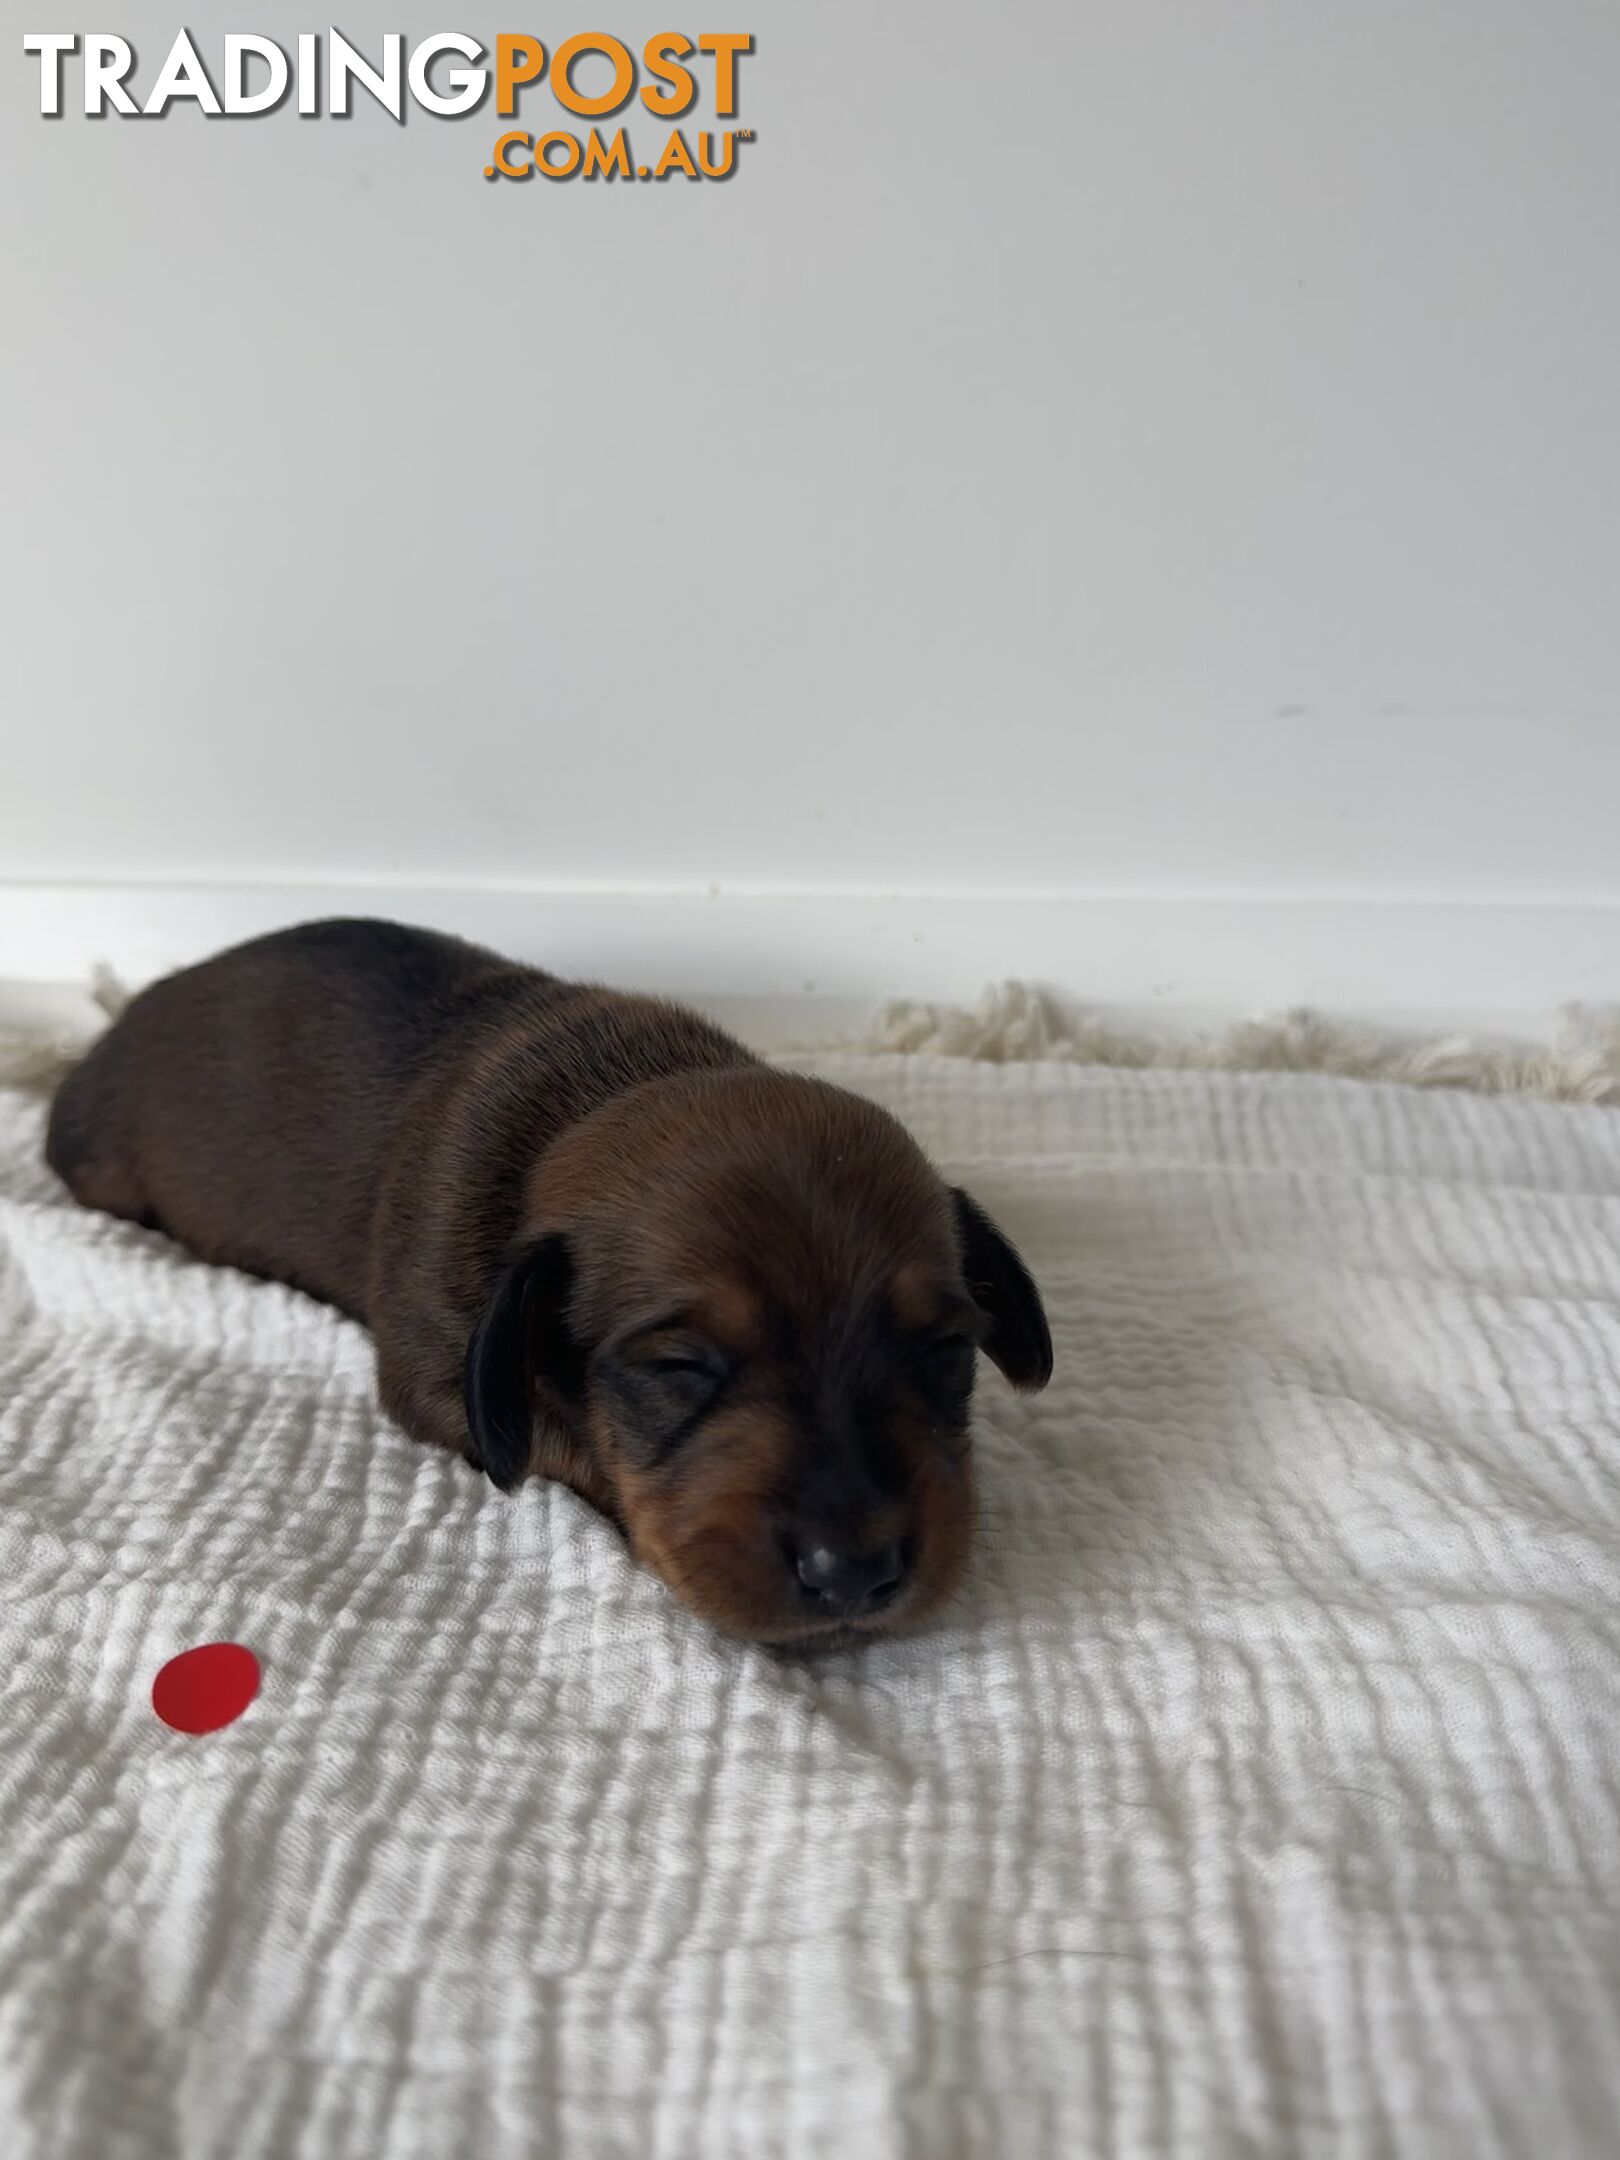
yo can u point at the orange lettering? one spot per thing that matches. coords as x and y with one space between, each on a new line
675 153
655 59
517 60
725 45
624 74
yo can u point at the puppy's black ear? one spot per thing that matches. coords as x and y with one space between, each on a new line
1004 1291
520 1354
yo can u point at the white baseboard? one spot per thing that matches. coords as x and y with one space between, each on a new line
1506 966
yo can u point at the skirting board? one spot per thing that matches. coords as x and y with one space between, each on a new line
1505 966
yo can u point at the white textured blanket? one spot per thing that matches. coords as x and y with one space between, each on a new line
1261 1795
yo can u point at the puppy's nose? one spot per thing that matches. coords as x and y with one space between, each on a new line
846 1582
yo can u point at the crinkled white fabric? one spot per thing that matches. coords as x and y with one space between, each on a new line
1259 1796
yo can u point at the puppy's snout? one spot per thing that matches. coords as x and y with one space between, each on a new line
840 1582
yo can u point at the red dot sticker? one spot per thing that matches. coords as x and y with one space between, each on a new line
203 1689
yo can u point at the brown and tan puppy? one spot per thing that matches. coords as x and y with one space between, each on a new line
594 1238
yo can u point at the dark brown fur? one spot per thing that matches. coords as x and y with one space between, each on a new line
594 1238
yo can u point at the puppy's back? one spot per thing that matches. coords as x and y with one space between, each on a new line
246 1105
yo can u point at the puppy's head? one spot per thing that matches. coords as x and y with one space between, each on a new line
745 1320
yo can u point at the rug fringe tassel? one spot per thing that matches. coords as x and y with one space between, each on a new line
1013 1022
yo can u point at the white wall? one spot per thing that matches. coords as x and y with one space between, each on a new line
1089 448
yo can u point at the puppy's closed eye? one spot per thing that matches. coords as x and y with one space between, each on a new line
687 1377
945 1364
668 1384
954 1349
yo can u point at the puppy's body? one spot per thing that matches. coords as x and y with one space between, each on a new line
249 1106
593 1236
352 1107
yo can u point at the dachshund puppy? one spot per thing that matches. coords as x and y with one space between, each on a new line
594 1239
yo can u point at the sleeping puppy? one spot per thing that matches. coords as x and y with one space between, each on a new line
595 1240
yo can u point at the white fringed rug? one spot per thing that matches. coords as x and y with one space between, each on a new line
1261 1795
